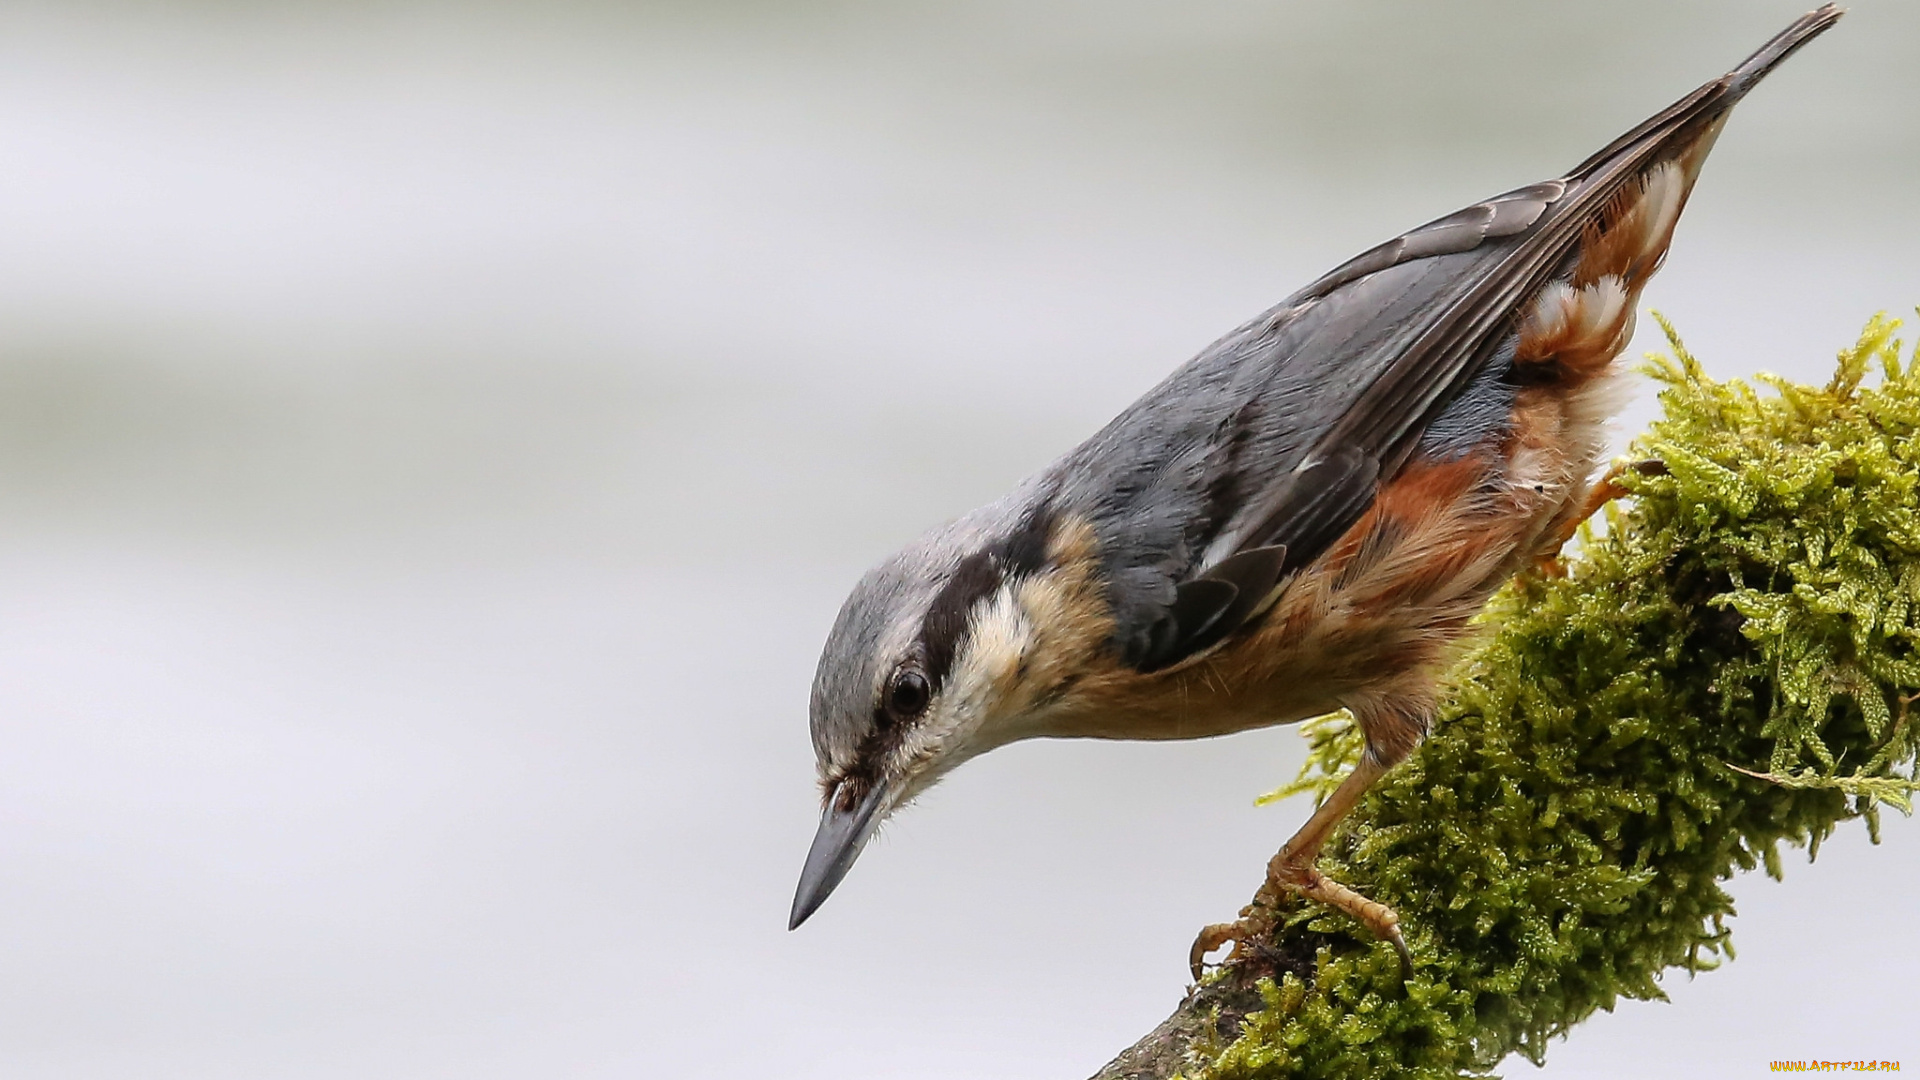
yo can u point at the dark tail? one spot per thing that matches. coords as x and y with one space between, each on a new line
1705 106
1784 44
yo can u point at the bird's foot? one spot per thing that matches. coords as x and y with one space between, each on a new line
1245 931
1378 917
1296 875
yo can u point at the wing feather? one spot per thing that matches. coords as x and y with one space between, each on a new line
1328 394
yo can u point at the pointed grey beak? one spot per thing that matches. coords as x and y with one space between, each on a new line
842 834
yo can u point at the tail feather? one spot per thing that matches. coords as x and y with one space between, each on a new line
1684 121
1630 195
1784 44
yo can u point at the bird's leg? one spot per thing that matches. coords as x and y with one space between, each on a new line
1293 869
1608 489
1605 491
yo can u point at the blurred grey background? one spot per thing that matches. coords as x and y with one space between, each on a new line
434 440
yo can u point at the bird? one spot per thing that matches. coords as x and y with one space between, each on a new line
1306 517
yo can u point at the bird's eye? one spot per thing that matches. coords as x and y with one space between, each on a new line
908 695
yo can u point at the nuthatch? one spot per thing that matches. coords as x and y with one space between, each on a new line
1306 517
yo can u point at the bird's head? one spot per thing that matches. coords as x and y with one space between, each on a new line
931 662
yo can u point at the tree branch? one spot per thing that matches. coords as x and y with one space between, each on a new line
1730 667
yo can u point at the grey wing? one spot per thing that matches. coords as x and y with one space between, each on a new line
1250 461
1266 448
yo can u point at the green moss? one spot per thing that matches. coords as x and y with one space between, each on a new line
1729 667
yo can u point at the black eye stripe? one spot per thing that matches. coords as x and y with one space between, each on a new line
944 629
1021 553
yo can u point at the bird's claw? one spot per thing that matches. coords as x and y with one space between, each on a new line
1290 873
1399 943
1239 933
1245 933
1372 914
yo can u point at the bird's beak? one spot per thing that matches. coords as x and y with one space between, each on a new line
842 834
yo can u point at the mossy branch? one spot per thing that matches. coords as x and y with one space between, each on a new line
1731 665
